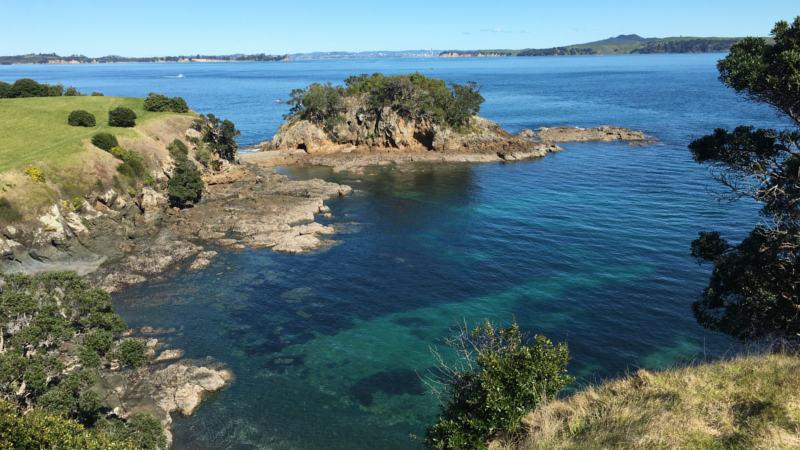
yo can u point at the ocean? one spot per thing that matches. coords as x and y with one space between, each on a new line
590 246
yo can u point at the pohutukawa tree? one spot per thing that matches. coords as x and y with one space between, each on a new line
754 290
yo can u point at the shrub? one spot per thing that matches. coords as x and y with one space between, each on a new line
499 381
35 173
161 103
8 213
132 165
71 92
81 118
186 185
132 353
122 117
97 94
99 341
105 141
5 90
220 135
178 105
203 156
118 152
26 87
156 102
177 149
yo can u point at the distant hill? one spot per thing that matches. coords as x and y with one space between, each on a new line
52 58
619 45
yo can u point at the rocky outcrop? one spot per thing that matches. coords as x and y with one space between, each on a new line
365 138
603 133
160 390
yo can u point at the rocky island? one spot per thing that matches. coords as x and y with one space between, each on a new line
376 119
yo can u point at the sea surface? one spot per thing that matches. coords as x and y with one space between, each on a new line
588 246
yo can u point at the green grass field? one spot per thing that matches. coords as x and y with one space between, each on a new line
36 129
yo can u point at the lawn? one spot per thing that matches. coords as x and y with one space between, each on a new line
36 129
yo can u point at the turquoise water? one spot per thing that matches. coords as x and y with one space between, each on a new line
588 246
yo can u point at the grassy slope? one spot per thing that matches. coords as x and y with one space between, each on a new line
748 402
34 131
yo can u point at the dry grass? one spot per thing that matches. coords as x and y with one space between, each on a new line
747 402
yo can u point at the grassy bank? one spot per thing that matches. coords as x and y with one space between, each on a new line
35 132
748 402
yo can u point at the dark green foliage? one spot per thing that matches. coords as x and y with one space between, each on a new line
122 117
105 141
132 165
497 383
178 105
38 429
132 353
220 135
177 149
97 94
161 103
754 289
8 212
25 87
699 45
156 102
71 92
185 185
142 430
81 118
5 90
99 341
412 96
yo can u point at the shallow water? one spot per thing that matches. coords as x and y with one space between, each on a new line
588 246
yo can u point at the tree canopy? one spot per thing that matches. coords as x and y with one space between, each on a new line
412 96
754 290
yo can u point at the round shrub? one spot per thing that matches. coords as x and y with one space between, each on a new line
105 141
118 152
186 185
122 117
81 118
71 92
97 94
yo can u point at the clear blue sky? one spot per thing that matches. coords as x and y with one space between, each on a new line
167 27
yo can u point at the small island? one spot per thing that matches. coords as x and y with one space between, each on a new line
377 119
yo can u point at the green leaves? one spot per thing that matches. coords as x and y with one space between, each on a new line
185 185
504 378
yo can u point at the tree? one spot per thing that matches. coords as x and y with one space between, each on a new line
185 185
498 379
71 92
220 135
81 118
754 289
122 117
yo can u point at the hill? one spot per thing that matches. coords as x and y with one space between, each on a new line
747 402
619 45
35 133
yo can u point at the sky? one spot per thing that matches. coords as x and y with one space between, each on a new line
170 27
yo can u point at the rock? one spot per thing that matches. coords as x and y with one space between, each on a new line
203 260
119 203
75 223
602 133
168 355
108 197
191 133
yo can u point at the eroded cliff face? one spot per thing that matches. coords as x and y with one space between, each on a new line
388 131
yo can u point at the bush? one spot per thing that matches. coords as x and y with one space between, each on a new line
186 185
81 118
132 165
161 103
118 152
35 173
156 102
71 92
177 149
99 341
5 90
500 381
25 87
105 141
122 117
132 353
97 94
8 213
178 105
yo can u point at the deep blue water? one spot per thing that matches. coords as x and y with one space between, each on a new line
588 246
